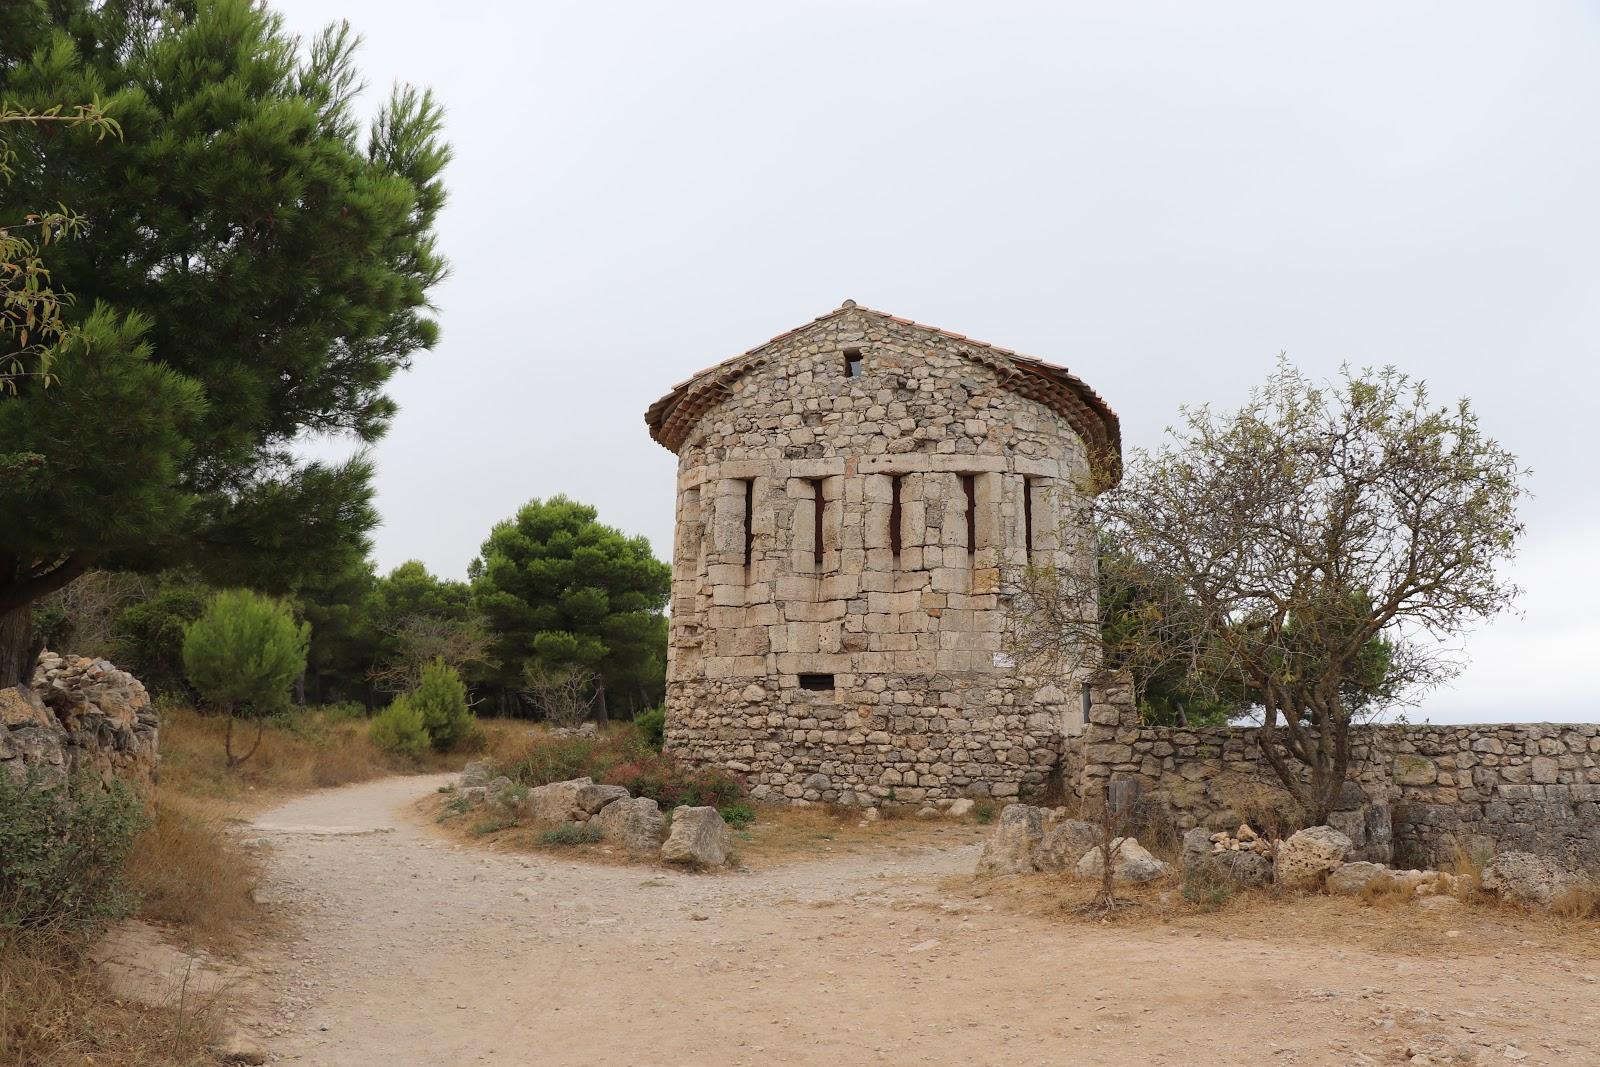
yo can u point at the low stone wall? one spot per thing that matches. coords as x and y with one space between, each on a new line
80 715
1532 787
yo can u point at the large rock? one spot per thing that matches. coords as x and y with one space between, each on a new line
1352 879
557 802
635 823
1243 867
1064 843
478 772
591 798
698 837
1131 862
1527 878
1010 848
1309 856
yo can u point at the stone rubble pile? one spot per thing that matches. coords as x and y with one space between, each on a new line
698 836
78 715
1242 840
1030 839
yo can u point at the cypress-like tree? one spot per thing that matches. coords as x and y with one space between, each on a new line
254 268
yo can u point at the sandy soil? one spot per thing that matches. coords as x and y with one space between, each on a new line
415 950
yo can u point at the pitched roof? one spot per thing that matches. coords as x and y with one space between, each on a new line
672 417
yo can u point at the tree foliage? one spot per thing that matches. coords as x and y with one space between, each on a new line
561 590
243 655
1310 554
254 268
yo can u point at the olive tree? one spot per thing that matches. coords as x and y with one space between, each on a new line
1310 556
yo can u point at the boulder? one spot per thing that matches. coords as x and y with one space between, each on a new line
1241 866
1352 879
960 809
1010 848
1368 825
1527 878
698 837
1064 843
478 772
1310 855
557 802
1130 863
633 822
590 799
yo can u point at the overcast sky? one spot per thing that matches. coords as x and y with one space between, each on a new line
1160 196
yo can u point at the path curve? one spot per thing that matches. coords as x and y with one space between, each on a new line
415 950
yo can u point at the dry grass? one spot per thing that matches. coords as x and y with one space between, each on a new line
193 877
316 753
53 1013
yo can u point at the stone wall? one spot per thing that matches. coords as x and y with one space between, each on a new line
868 666
1532 787
80 715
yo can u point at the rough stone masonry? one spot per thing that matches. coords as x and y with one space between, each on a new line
849 495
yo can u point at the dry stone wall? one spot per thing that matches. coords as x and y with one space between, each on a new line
1530 787
867 665
79 715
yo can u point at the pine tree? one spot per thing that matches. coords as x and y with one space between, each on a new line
560 589
253 268
242 656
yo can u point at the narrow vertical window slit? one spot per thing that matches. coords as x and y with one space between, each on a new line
894 514
818 512
969 485
749 521
1027 517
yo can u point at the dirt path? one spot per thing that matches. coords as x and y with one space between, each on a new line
417 951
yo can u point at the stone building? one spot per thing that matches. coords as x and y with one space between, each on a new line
851 498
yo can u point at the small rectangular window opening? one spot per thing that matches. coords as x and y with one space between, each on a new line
852 363
819 510
969 485
894 514
1027 516
749 521
817 683
1088 700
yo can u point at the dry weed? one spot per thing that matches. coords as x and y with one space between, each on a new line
193 875
54 1013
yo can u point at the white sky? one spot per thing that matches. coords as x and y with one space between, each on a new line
1160 196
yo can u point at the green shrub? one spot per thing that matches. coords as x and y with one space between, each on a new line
398 729
652 726
343 711
63 851
1205 890
494 823
983 811
670 783
738 815
571 833
441 698
148 637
